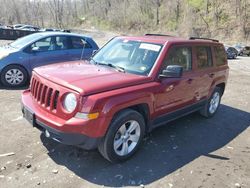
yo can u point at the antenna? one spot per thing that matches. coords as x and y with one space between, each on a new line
83 48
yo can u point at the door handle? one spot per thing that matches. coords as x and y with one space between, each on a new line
211 75
190 80
170 88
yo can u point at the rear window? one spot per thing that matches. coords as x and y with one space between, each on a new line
220 55
204 57
79 43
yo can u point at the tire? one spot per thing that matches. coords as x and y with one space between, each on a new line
120 135
209 110
14 76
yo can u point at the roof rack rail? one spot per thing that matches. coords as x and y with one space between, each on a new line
202 38
153 34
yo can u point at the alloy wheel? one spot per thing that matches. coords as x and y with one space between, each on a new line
214 102
127 138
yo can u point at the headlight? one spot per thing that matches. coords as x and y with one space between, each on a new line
70 102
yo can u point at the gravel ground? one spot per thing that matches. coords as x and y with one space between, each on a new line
189 152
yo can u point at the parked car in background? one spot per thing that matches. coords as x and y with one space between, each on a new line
3 26
129 87
49 29
246 51
17 26
18 59
239 48
231 52
29 28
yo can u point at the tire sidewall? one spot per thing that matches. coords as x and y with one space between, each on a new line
6 69
117 122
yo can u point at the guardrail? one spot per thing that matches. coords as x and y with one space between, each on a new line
13 34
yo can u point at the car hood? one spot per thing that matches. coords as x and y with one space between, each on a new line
6 50
87 78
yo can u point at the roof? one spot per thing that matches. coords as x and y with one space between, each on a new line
52 33
162 39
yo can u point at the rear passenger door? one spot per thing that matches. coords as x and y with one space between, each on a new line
79 48
204 71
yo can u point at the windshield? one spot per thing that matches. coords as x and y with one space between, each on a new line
132 56
20 43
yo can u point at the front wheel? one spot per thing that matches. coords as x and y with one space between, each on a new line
212 104
124 136
14 76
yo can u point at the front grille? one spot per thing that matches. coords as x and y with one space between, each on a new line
44 95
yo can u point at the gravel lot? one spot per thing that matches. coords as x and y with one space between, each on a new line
189 152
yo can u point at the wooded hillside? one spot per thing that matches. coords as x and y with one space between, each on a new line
223 19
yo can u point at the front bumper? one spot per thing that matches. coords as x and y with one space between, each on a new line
82 133
80 140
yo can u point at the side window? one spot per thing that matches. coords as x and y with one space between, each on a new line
179 56
203 56
220 55
51 44
43 45
79 43
62 43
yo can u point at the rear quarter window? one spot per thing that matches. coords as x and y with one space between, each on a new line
220 55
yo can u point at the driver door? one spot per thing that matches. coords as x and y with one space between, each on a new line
48 50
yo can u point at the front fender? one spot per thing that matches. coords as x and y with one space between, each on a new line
110 103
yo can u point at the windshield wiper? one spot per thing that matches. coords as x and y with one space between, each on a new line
120 69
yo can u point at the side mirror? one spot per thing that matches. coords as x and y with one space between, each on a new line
172 71
35 49
94 52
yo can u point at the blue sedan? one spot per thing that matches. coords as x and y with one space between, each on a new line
19 58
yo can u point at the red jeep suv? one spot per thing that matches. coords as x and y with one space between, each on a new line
129 87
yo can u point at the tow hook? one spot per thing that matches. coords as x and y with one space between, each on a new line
47 134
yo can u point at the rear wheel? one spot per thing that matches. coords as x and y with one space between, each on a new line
212 104
123 137
14 76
